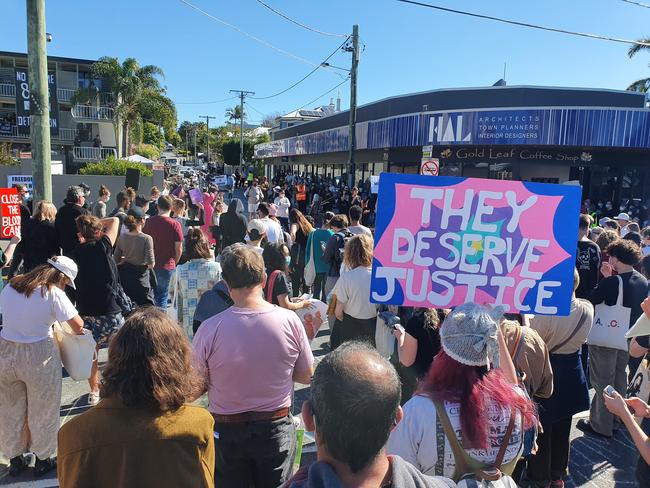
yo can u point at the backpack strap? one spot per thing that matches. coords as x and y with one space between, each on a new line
498 463
271 285
581 322
519 345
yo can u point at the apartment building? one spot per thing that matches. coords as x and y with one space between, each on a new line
80 133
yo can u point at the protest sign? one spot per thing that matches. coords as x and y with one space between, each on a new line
10 212
27 180
196 196
374 184
445 241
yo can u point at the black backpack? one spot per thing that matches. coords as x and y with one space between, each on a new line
344 236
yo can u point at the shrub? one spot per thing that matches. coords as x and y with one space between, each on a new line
114 167
148 151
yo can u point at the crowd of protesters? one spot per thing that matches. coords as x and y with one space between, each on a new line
195 292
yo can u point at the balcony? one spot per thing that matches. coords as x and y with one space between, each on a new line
65 134
92 113
7 90
82 153
65 94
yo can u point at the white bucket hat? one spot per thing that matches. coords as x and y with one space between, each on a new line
67 266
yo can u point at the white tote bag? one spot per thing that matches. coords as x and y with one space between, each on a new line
611 323
77 351
310 266
384 338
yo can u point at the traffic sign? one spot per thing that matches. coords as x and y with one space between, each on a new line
430 167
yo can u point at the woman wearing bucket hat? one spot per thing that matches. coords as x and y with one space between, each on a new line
473 399
30 368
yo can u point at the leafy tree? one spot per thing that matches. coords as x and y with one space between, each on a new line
136 90
6 159
269 119
642 85
148 151
233 114
151 134
173 138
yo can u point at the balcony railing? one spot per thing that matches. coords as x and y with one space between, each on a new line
89 112
93 153
65 94
7 90
65 134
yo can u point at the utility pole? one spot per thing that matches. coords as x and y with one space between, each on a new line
352 136
194 129
39 100
207 123
242 95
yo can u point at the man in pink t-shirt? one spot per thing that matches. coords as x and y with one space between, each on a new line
250 355
167 237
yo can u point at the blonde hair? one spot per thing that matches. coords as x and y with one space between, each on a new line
45 211
358 252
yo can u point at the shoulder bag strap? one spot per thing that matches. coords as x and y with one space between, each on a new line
581 322
516 346
269 290
619 299
520 344
462 460
506 440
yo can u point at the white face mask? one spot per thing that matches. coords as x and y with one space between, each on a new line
108 198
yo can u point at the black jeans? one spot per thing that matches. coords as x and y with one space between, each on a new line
258 454
552 458
298 279
318 288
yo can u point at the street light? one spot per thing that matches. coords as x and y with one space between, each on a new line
327 65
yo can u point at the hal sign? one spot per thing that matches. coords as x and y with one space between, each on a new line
10 210
430 167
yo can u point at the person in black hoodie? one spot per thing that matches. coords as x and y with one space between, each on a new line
40 240
233 223
351 441
66 219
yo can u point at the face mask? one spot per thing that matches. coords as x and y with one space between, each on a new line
287 260
622 208
108 199
624 231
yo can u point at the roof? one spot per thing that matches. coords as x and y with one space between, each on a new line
472 98
49 58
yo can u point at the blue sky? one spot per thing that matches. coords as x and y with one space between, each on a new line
408 48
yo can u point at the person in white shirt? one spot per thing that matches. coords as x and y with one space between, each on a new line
283 204
30 367
355 315
355 226
255 196
274 233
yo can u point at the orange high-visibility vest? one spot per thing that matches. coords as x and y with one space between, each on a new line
301 196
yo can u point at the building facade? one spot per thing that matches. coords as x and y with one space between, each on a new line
598 138
80 132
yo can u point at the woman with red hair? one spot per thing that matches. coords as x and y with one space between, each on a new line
478 401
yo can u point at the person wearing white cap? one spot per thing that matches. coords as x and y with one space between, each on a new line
30 367
256 232
283 204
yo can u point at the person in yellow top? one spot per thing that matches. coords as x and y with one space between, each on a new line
142 433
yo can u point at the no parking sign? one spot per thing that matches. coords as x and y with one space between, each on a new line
430 167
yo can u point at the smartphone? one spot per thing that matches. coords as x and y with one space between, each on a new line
609 389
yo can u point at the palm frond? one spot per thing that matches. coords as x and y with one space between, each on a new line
637 48
642 85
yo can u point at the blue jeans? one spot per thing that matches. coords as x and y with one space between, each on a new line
161 292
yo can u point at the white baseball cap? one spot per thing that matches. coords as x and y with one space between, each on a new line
258 225
67 266
623 216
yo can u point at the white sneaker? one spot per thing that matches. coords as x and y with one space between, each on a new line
93 398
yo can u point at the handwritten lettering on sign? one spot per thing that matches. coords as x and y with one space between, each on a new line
10 210
442 242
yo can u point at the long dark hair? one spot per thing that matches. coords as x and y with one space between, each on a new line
196 245
297 217
44 275
150 363
274 258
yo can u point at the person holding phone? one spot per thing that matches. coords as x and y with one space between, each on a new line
626 409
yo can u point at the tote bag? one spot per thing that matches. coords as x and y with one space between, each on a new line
611 323
77 351
310 266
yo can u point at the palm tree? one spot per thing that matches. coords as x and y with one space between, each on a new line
234 114
642 85
134 88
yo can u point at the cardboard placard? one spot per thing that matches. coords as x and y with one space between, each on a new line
10 213
445 241
196 196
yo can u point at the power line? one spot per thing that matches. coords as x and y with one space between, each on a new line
205 103
321 95
525 24
306 76
284 16
257 39
637 3
250 106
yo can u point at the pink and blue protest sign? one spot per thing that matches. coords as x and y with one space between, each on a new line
445 241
